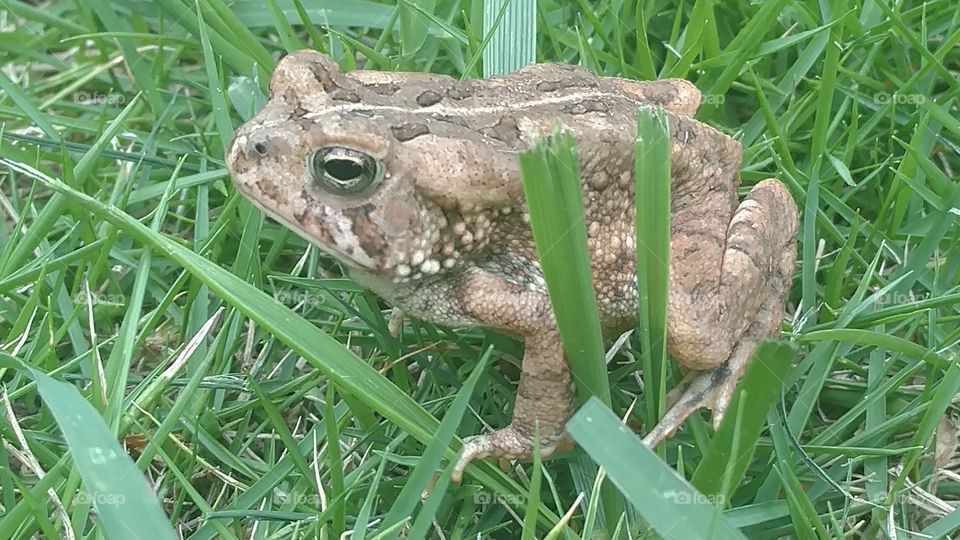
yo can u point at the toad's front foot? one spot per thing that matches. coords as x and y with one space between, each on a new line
507 444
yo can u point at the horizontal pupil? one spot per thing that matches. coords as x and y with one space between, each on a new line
343 169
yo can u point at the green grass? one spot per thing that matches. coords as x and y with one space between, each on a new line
132 271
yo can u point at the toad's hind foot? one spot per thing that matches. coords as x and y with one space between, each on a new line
713 389
715 326
507 444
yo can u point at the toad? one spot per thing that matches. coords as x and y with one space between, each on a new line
411 181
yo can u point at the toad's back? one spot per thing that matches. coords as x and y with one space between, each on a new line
442 192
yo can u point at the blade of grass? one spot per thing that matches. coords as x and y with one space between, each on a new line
806 522
137 63
551 184
726 461
700 17
674 508
552 187
414 27
652 193
288 36
941 399
117 369
883 341
325 354
335 463
513 42
533 496
420 478
126 508
321 351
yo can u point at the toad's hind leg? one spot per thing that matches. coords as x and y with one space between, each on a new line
715 325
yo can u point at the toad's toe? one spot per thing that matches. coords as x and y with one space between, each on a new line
506 444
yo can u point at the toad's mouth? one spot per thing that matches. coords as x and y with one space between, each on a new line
331 232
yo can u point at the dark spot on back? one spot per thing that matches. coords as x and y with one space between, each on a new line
384 89
323 77
345 95
461 91
567 82
505 130
297 113
407 131
455 120
428 98
549 86
306 124
586 106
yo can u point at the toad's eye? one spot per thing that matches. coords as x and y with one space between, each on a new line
344 171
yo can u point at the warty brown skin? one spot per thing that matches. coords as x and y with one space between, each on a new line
442 230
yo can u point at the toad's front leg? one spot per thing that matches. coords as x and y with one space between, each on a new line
545 394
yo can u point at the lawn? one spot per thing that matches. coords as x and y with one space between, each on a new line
176 365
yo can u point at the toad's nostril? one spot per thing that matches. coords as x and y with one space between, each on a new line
260 148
